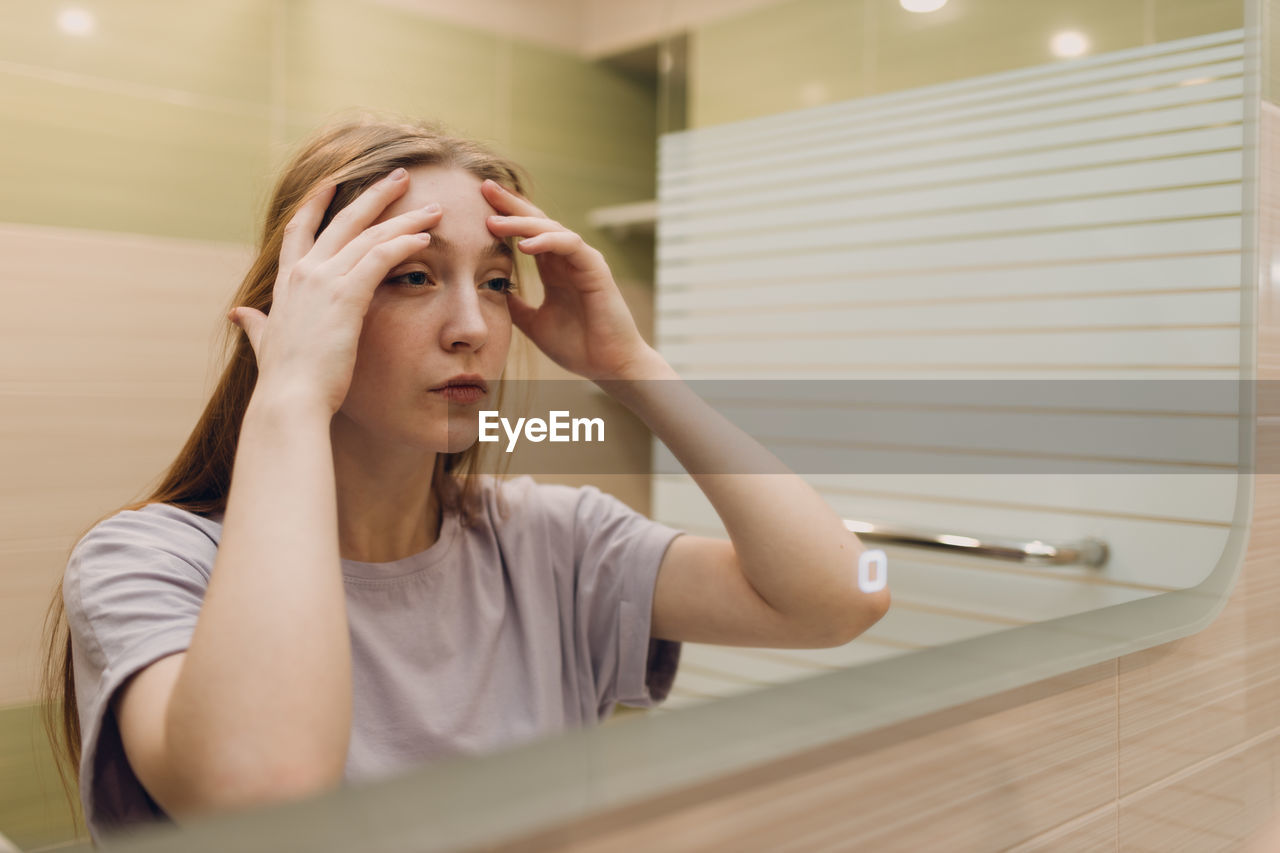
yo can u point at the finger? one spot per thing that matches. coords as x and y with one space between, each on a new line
521 312
522 226
358 215
252 322
378 261
506 201
565 243
299 232
419 219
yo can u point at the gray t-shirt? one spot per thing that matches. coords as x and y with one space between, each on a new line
507 631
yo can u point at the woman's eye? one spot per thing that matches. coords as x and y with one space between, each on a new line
500 285
417 278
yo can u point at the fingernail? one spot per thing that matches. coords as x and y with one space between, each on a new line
497 218
432 208
397 175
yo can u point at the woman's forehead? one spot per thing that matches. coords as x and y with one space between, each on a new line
454 189
463 226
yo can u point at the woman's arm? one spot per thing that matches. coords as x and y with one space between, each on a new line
788 575
259 706
788 543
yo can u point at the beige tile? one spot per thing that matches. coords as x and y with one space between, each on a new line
1215 806
115 309
1189 700
54 445
68 460
979 784
1093 834
30 579
107 357
1186 701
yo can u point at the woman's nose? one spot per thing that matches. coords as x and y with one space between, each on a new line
464 326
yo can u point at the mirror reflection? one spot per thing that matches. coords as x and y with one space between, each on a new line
899 324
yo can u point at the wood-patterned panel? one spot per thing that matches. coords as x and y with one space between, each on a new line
1091 833
109 351
1217 806
980 777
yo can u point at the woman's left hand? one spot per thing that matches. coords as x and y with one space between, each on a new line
583 323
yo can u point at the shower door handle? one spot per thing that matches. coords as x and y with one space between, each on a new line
1088 552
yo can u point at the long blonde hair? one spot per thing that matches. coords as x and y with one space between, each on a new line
352 154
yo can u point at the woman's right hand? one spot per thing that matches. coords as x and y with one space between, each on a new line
306 347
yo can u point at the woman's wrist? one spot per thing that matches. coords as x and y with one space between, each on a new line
634 384
279 403
646 365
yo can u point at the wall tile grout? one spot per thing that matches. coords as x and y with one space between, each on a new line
1196 767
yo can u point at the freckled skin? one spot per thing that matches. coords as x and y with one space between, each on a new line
417 337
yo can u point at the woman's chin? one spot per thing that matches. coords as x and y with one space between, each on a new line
460 435
458 444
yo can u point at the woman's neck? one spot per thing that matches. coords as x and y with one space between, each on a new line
387 509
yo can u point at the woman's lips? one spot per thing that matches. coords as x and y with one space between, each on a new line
461 393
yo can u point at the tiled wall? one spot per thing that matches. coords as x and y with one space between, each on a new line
803 53
135 164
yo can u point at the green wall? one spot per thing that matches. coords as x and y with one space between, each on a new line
34 811
169 119
803 53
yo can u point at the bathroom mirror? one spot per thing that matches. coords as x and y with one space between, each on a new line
997 314
996 304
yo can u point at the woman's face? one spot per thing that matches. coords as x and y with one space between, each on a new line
437 315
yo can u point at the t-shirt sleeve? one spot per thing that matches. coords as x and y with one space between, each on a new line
132 588
618 552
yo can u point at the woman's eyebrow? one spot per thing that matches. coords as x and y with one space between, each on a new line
496 249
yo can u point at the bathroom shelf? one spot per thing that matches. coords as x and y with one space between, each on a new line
622 219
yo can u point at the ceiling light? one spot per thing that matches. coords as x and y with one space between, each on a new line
1069 43
922 5
75 22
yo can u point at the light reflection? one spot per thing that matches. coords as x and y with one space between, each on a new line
922 6
75 21
1069 43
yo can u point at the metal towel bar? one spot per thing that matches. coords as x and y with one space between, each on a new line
1089 552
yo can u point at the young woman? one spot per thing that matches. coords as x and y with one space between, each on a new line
322 589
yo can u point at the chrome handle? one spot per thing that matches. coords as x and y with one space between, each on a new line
1089 552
